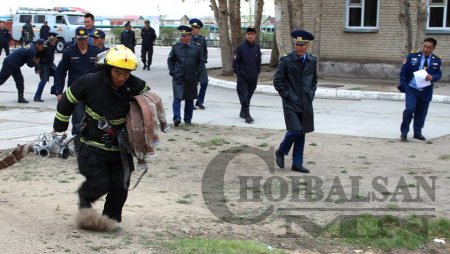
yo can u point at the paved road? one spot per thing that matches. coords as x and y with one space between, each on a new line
366 118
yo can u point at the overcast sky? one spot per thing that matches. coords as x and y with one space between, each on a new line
170 8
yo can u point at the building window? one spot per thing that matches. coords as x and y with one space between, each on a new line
362 14
439 15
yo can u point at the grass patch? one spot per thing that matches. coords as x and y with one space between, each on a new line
444 157
207 246
313 144
389 232
264 145
213 142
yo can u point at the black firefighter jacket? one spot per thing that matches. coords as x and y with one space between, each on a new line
297 83
101 101
185 63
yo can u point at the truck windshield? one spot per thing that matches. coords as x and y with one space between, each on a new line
75 19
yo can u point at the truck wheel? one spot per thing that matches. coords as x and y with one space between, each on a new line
60 45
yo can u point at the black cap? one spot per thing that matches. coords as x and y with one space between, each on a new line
302 37
127 24
185 30
98 34
196 23
147 21
52 34
40 42
250 29
81 32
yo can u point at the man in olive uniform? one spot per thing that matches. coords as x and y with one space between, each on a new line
148 36
185 63
296 82
200 40
103 159
247 66
127 37
27 33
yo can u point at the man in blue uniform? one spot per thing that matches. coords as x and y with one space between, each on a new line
148 36
5 37
296 81
200 40
102 158
127 37
77 60
417 99
247 66
46 67
184 64
18 58
99 39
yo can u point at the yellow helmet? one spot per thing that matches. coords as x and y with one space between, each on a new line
119 56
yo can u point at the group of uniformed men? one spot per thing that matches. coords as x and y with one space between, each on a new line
93 69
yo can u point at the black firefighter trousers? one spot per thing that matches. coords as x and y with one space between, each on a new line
104 175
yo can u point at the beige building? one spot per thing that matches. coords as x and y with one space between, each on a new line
364 38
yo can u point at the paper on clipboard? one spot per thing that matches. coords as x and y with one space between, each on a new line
420 76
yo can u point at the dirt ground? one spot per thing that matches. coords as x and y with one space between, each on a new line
38 198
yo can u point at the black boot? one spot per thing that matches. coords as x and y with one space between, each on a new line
145 67
148 67
21 99
83 202
241 114
248 118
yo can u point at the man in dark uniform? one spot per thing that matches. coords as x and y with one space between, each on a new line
102 160
417 98
27 33
99 40
200 40
44 31
247 66
46 67
184 62
77 60
5 37
148 36
296 82
127 37
18 58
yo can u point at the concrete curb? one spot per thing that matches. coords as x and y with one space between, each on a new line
333 93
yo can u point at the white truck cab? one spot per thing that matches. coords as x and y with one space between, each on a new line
63 22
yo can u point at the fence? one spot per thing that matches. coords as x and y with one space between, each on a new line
169 42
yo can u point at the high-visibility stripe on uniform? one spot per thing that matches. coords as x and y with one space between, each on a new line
62 117
71 97
91 112
99 145
145 89
97 117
